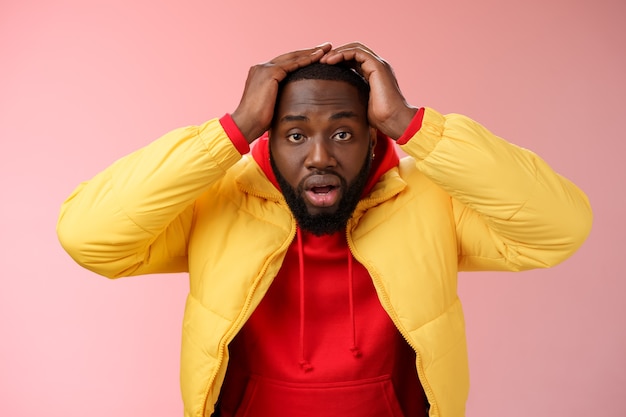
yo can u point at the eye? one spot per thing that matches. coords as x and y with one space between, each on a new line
341 136
295 137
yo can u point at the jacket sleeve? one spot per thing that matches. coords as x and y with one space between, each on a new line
135 217
512 211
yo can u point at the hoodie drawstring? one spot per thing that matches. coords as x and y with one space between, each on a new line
304 364
356 352
354 349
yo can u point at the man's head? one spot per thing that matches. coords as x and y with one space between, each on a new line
321 144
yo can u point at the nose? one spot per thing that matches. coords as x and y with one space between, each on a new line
320 155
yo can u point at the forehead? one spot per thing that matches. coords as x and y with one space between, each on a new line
314 96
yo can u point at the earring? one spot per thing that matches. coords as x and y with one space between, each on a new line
373 156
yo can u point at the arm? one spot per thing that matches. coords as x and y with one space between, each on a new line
135 216
512 211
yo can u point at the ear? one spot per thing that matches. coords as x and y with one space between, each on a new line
373 137
268 133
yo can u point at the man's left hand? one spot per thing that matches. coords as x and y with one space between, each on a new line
388 110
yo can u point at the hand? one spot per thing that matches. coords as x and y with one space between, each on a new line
388 110
254 114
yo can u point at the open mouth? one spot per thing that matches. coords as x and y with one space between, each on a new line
322 190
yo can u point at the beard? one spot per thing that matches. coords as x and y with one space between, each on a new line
324 223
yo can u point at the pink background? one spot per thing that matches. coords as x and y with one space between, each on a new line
85 82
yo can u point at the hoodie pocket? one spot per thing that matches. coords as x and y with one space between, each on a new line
373 397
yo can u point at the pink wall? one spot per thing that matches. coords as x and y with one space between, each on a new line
84 82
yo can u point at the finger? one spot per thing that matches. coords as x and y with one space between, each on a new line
357 53
291 61
352 51
360 60
302 54
354 45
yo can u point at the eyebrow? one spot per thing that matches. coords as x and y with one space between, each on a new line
293 118
336 116
344 115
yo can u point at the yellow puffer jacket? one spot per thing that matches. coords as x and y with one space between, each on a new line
463 200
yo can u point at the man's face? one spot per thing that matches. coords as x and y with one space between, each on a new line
320 144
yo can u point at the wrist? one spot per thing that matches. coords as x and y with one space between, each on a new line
247 130
412 128
396 127
234 134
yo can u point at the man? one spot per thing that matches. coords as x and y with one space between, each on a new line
323 268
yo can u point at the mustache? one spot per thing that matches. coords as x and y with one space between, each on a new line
322 173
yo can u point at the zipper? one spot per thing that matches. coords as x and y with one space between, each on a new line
240 322
394 318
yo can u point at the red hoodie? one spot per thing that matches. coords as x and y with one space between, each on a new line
320 343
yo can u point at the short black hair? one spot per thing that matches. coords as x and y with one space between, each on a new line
342 71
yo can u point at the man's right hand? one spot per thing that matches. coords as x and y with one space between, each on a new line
254 114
